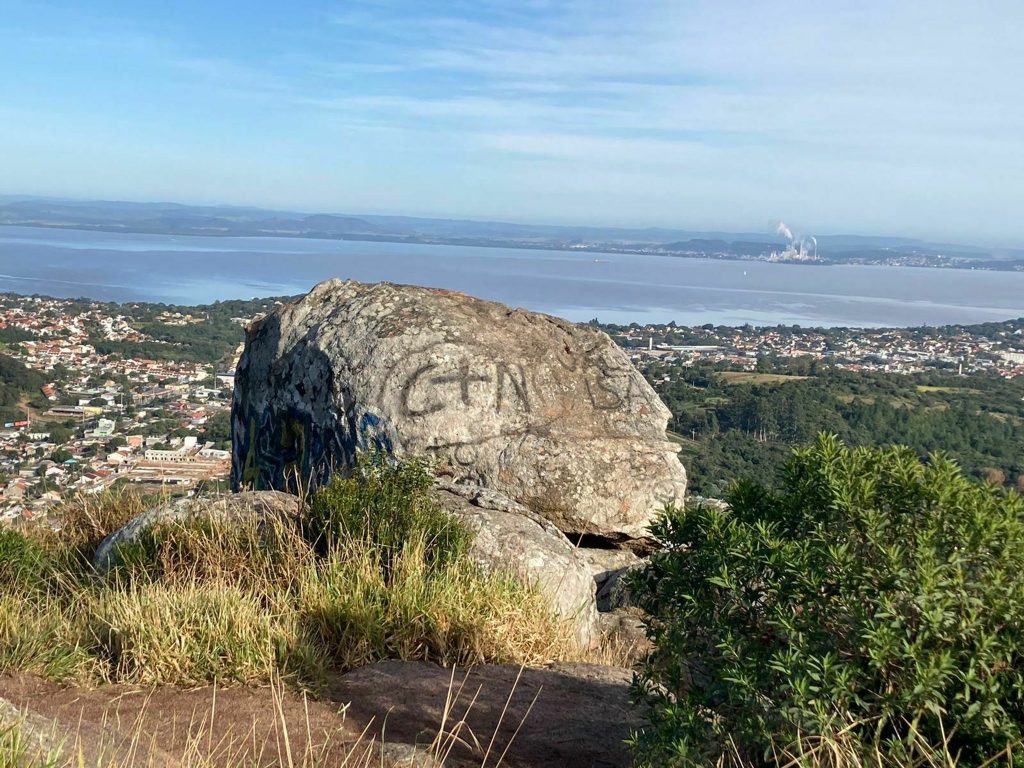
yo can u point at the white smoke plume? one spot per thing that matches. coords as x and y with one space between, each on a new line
784 231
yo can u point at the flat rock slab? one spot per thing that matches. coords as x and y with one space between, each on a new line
167 727
576 716
580 715
551 414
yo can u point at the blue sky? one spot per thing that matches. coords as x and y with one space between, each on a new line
896 117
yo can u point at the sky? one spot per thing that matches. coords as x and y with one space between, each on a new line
876 117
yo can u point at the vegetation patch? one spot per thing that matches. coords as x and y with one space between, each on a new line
745 424
755 377
372 570
869 608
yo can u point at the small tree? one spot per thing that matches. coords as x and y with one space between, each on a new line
60 456
871 600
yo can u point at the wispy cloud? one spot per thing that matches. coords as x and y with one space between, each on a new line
745 105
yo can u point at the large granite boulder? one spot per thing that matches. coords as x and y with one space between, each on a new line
548 413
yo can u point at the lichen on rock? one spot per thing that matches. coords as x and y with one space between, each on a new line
550 414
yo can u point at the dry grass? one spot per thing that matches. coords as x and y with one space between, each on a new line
458 615
210 600
86 519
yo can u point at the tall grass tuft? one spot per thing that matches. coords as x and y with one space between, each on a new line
373 570
415 608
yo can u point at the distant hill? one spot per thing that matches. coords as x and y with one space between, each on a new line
173 218
226 220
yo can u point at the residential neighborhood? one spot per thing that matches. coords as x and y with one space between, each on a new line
102 419
994 348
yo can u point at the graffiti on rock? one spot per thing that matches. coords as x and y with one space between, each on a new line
293 450
431 389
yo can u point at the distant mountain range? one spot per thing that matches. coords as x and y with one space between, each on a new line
179 219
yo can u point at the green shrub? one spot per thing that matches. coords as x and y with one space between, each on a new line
870 598
385 505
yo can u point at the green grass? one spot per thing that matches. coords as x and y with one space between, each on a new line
948 390
754 377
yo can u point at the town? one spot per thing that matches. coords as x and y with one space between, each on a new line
991 348
106 394
102 417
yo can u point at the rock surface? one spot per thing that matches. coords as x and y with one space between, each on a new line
545 412
624 630
572 716
234 506
45 740
614 591
604 562
515 541
581 717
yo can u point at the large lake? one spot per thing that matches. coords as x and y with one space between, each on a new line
578 286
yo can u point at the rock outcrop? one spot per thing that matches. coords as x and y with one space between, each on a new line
391 714
238 506
567 715
550 414
511 539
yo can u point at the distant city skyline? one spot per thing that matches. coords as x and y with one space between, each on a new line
884 118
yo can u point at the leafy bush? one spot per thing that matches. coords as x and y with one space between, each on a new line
870 598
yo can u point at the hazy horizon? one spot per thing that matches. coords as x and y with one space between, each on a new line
770 232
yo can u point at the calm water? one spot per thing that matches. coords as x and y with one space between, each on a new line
613 288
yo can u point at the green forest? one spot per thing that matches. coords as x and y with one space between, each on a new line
15 381
210 341
735 424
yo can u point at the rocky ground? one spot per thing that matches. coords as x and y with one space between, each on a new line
571 715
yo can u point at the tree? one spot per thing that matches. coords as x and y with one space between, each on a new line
60 456
59 434
218 428
869 598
